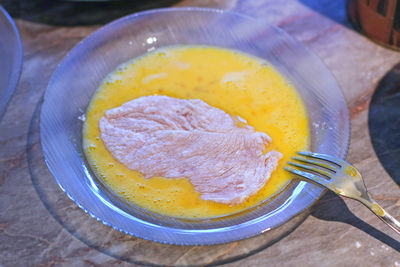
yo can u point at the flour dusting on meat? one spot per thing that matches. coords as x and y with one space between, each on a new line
175 138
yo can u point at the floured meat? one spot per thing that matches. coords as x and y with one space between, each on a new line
174 138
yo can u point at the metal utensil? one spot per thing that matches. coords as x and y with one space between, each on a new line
340 177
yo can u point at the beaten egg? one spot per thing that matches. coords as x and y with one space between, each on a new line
239 84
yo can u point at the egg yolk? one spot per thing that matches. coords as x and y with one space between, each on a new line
235 82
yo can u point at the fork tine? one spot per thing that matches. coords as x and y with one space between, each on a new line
322 156
313 162
308 176
310 168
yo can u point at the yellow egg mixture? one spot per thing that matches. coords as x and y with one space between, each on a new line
235 82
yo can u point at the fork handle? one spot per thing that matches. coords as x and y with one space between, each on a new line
382 214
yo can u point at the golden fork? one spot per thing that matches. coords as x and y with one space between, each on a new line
340 177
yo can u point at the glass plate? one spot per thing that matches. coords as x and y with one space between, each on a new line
82 70
10 58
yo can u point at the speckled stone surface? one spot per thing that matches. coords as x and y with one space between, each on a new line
339 232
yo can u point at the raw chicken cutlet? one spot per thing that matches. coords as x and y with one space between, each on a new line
163 136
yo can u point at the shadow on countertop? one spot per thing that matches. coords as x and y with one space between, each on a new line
384 122
331 207
335 10
74 13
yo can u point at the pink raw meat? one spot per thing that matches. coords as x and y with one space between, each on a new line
174 138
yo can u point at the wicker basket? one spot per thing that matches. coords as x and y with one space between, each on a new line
377 19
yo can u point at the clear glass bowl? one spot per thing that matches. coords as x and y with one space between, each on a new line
10 58
82 70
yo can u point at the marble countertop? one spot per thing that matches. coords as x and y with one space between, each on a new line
338 232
